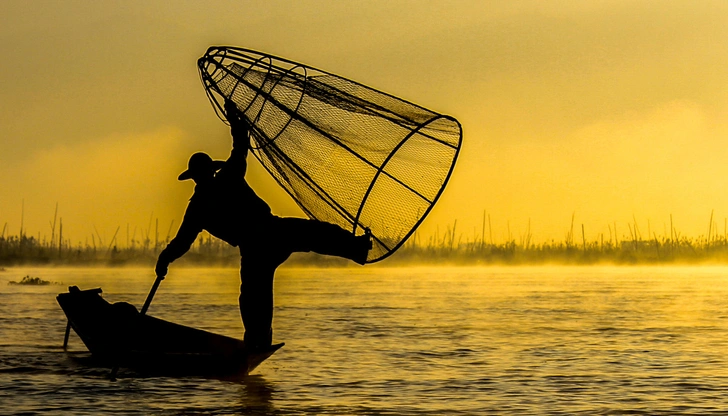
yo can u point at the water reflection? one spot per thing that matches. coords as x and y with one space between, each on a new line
256 396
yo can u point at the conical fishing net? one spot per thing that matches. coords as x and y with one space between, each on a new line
347 154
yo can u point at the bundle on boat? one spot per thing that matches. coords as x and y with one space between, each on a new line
347 154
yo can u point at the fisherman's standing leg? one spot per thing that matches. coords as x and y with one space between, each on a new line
257 271
256 301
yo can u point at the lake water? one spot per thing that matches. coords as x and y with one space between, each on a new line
511 340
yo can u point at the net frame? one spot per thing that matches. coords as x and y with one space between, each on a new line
278 70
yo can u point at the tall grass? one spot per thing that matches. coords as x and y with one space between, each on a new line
27 249
450 247
634 248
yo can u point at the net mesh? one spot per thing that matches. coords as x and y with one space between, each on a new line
347 154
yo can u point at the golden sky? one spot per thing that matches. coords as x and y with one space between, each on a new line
613 111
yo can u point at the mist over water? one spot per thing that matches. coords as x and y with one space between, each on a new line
492 340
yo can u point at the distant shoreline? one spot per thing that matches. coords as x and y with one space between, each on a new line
210 252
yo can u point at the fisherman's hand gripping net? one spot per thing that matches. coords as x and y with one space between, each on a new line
347 154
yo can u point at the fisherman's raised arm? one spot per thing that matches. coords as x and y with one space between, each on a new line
239 128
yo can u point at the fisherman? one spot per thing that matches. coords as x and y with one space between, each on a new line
224 205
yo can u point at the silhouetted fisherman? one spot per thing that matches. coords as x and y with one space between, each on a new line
224 204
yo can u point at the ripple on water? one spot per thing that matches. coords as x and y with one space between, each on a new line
571 341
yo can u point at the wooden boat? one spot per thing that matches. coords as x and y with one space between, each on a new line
118 335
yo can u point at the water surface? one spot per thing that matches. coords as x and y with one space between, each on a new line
512 340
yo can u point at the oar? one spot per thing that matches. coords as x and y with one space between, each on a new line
147 302
150 296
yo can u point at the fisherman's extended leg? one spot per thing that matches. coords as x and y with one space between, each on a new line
324 238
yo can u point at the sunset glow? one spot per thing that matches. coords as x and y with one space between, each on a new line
614 112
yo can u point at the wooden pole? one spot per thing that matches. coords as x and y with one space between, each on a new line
113 239
570 234
60 238
150 296
169 231
53 228
452 237
22 218
149 229
65 338
482 234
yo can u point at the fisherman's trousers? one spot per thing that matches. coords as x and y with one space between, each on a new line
269 243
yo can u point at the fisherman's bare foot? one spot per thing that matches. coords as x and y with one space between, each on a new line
363 245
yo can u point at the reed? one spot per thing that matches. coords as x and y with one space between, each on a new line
449 247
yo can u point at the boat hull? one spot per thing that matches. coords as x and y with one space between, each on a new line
118 335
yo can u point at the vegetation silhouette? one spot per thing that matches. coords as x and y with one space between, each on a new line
450 248
33 281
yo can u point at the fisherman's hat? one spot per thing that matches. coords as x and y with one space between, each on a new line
200 163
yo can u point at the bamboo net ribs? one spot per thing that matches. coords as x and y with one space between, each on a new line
347 154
